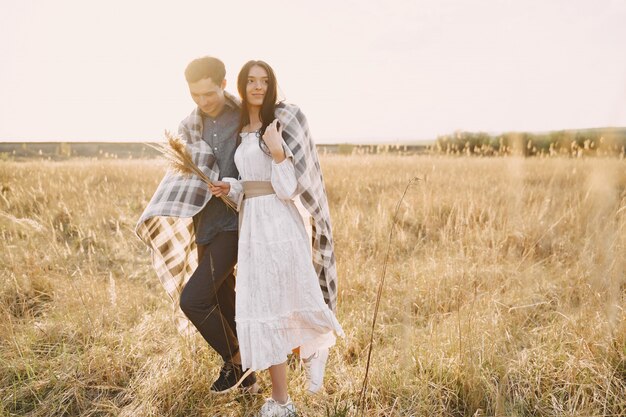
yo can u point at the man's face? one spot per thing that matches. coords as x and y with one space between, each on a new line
208 96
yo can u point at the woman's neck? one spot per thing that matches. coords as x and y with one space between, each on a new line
254 114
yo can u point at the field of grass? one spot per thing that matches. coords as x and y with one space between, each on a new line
505 292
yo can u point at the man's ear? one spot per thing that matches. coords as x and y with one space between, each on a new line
224 84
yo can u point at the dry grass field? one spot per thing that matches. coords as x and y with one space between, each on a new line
504 295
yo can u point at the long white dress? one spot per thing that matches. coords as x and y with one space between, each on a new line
279 303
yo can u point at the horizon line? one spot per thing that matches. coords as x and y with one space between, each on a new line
329 141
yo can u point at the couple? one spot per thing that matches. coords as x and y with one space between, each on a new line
260 154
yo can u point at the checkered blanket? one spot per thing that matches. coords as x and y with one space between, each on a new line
298 138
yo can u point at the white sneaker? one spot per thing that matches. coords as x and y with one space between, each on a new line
273 408
314 367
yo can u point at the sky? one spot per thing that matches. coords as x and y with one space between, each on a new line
361 70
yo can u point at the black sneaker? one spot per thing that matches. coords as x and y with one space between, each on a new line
233 376
249 384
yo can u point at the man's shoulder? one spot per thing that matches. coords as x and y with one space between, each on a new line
232 100
192 117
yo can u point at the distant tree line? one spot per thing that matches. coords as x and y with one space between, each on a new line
136 150
570 143
573 143
66 150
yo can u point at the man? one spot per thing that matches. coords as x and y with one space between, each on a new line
182 215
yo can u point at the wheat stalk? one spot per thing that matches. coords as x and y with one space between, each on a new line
379 293
176 153
23 222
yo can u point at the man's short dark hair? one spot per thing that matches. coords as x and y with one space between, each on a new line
205 67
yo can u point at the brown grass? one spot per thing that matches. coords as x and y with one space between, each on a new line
504 294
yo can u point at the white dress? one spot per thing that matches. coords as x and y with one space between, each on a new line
279 303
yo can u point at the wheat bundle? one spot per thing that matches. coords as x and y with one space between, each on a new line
176 153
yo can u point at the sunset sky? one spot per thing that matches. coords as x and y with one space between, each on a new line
361 70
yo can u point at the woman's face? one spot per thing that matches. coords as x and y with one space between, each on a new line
256 87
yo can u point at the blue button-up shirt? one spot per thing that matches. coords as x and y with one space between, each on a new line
220 133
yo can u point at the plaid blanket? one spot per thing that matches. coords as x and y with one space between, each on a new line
166 225
298 138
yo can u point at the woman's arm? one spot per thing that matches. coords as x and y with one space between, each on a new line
284 180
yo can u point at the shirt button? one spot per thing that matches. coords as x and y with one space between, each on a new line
214 135
215 149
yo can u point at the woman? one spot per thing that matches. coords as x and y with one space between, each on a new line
284 293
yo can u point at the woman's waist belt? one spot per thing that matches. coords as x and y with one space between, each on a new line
253 189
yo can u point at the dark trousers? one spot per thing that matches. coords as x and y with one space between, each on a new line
208 299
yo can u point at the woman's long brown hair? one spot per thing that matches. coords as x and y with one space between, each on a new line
266 114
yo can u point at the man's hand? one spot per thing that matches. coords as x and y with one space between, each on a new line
220 188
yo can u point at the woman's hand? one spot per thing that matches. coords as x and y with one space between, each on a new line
273 138
219 188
